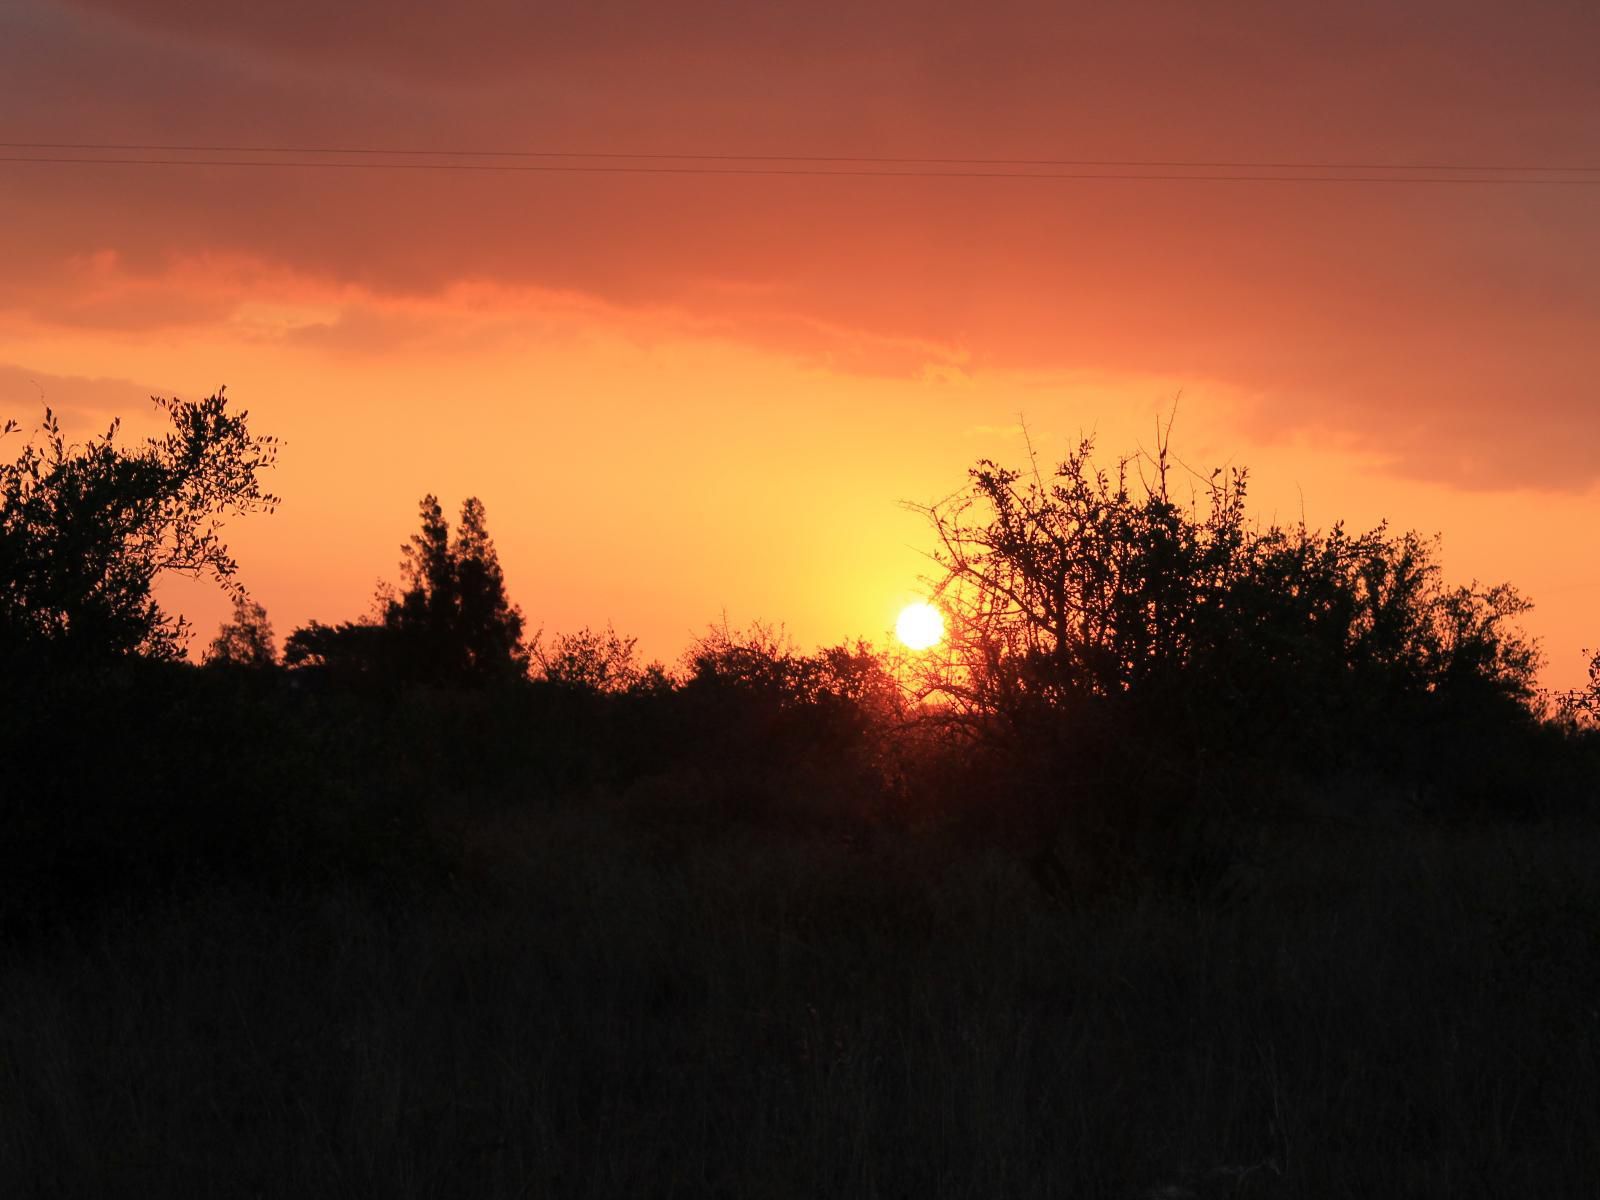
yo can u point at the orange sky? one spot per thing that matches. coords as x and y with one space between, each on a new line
679 395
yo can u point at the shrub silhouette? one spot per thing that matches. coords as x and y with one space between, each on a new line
761 668
792 736
85 530
244 641
1087 586
593 661
1134 665
453 625
1130 676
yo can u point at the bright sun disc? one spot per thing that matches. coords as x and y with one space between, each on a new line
920 626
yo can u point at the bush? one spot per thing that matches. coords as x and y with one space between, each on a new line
1130 657
246 640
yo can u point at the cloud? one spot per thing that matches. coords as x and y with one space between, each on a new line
82 404
1448 329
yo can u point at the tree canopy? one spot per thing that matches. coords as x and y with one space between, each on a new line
1091 590
86 529
245 640
452 624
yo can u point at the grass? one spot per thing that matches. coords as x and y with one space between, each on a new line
609 1004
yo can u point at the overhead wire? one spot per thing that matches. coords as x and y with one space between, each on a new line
885 160
637 168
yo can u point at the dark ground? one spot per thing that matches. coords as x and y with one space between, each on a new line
608 1000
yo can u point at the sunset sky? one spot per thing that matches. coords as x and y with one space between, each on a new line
681 395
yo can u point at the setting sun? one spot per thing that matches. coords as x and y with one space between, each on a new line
920 626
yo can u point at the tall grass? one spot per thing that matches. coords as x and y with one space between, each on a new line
606 1005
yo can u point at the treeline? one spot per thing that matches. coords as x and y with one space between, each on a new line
1132 668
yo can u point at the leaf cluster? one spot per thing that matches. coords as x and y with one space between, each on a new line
86 529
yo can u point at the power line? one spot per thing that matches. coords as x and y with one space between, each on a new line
814 172
882 160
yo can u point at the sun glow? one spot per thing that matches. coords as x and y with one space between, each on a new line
920 626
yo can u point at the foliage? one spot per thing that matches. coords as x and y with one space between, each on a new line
454 617
596 661
763 665
1127 675
1582 705
349 652
1077 586
1135 675
453 625
792 736
1089 590
246 640
85 530
761 661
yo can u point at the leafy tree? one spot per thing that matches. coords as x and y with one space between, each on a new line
594 661
454 617
85 530
858 675
1105 629
349 651
1084 584
1091 585
246 640
761 663
1333 619
762 668
452 624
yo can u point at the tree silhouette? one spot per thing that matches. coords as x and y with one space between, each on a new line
1098 586
454 619
1086 584
452 624
594 661
760 665
1108 630
246 640
85 530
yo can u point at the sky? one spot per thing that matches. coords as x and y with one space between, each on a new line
689 396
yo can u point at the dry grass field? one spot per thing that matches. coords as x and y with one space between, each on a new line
604 1003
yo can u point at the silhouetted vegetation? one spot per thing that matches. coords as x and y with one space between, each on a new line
1142 673
451 626
1205 856
86 529
244 641
1582 705
596 662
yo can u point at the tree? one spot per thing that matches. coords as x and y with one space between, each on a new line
1088 612
757 675
593 661
1078 586
758 665
454 619
350 651
85 530
246 640
452 624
